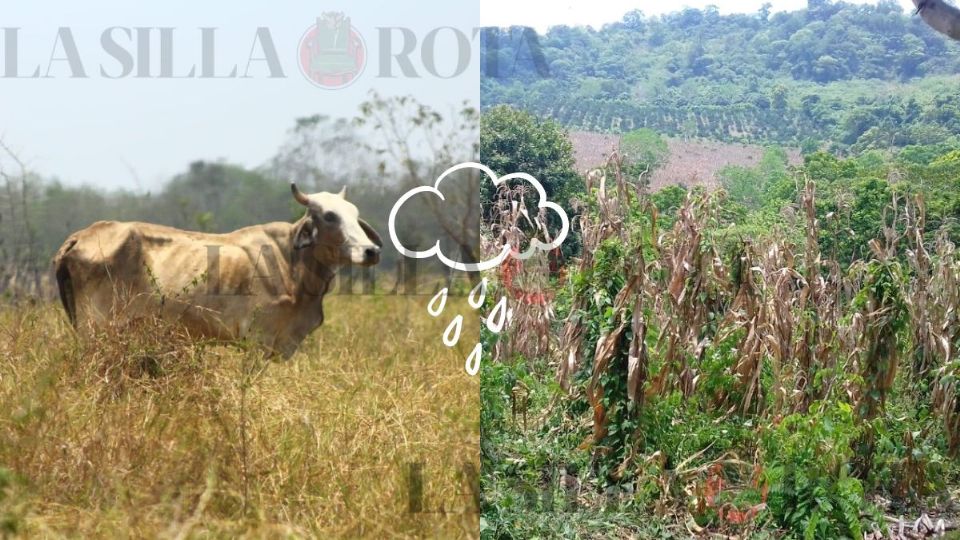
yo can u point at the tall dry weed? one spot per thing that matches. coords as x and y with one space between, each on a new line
143 432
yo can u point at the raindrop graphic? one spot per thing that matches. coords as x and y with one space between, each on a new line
498 316
480 288
442 298
473 361
455 326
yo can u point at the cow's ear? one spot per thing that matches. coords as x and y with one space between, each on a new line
306 235
371 234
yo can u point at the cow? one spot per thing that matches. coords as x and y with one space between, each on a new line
263 283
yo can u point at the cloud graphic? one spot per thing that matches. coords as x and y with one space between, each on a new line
506 249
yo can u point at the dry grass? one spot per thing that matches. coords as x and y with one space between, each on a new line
591 150
147 434
697 162
693 162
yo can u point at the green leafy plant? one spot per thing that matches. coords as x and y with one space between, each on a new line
812 493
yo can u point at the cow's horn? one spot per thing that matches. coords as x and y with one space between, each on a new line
298 195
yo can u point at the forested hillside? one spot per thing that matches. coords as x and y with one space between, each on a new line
855 77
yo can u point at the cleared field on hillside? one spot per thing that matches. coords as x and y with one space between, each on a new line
146 434
691 162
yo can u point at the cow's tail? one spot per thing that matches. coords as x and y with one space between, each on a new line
64 281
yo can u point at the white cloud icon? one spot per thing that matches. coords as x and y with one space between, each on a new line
506 249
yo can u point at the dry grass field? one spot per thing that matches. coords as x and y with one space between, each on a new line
145 433
697 162
691 162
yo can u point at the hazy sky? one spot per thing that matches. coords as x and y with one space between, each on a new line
541 14
108 132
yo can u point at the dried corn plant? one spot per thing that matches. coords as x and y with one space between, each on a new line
690 266
808 349
921 302
524 283
594 231
883 314
942 329
806 330
613 206
571 334
609 346
763 309
747 313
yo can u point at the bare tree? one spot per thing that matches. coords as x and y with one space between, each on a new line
18 250
425 143
321 153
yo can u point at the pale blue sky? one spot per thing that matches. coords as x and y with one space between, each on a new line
541 14
96 130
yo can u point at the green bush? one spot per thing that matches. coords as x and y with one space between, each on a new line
811 492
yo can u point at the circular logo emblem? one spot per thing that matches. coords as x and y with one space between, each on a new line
332 53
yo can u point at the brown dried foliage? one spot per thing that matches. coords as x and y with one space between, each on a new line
791 306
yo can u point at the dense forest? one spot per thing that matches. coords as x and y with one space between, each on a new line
850 77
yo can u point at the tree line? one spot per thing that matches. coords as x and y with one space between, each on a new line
320 153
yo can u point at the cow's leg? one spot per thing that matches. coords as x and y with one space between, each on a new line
65 283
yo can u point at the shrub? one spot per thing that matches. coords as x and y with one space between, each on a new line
809 458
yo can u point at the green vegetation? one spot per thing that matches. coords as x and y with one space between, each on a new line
512 140
645 147
768 360
850 76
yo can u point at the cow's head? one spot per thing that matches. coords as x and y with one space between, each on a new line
334 231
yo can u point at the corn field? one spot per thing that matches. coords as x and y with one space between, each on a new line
767 332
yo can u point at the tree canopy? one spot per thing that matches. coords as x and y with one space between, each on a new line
859 76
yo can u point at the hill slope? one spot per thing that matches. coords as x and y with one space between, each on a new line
858 76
